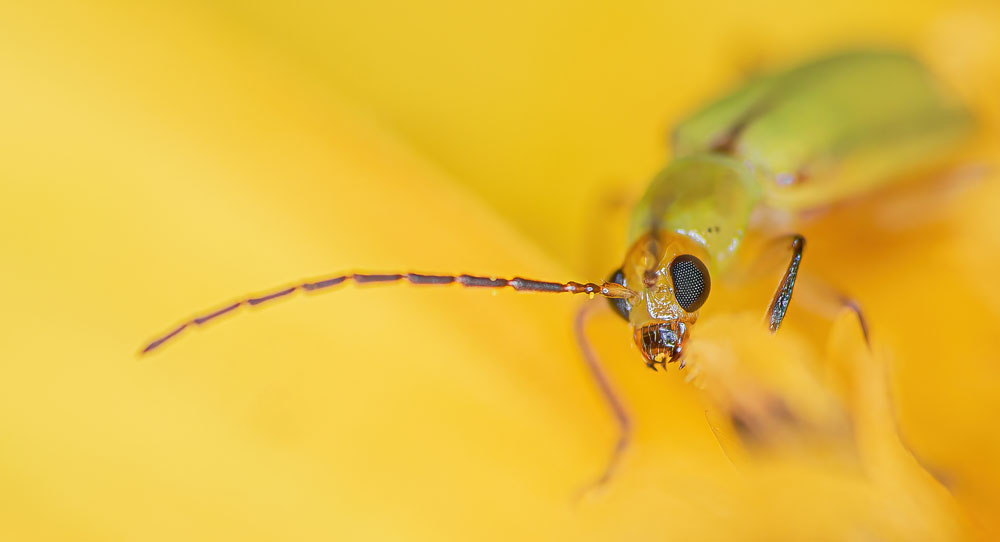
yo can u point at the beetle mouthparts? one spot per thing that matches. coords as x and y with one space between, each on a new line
661 342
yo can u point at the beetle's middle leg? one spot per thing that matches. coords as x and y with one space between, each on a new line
825 301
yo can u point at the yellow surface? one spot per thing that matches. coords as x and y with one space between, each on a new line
155 160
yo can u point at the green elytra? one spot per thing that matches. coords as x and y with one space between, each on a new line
815 134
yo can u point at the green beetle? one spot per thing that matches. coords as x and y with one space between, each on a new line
793 140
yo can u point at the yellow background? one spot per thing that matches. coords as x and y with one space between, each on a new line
157 159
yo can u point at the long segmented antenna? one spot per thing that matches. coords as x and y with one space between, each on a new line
606 289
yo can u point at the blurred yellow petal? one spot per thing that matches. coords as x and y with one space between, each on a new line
157 159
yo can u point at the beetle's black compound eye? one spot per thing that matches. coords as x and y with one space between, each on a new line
691 282
619 305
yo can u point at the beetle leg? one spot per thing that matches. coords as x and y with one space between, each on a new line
783 295
608 393
825 301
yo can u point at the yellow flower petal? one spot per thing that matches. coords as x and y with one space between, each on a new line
157 160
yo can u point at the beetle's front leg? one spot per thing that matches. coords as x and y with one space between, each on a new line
783 295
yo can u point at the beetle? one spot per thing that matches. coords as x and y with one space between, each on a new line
793 140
